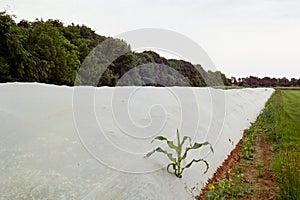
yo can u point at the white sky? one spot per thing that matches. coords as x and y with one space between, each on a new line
257 37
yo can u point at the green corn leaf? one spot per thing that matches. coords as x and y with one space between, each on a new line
178 137
170 143
195 146
198 145
174 168
199 160
186 138
179 147
158 149
149 154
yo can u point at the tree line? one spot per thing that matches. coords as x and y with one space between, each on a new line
253 81
50 52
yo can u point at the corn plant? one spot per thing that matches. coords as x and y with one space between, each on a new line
180 155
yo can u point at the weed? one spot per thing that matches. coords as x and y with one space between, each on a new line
247 142
227 188
260 168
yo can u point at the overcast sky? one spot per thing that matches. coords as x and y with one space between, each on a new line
257 37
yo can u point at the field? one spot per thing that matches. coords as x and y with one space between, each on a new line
60 142
286 140
265 164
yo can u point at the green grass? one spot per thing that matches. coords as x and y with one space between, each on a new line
228 87
280 122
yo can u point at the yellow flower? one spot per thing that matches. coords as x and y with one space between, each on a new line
221 184
211 186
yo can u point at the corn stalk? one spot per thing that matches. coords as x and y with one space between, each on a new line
180 155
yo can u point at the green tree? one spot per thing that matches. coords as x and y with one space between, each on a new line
50 52
108 78
107 55
55 58
84 38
